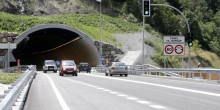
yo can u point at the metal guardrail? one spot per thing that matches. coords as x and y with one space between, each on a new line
13 93
195 73
133 69
16 69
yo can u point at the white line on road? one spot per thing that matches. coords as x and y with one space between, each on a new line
59 97
157 106
132 98
159 85
119 94
106 90
143 102
113 92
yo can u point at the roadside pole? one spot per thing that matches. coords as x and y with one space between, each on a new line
143 57
165 66
8 58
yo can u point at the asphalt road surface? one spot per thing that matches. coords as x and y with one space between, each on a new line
94 91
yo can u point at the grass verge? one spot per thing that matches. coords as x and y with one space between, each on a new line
8 79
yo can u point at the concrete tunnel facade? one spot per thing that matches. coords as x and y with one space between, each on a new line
55 42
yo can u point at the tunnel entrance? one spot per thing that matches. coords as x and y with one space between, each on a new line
55 42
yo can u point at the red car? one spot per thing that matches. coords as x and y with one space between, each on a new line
68 67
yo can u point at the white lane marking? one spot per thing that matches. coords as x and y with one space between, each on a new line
159 85
100 88
143 102
113 92
132 98
59 97
157 106
120 95
106 90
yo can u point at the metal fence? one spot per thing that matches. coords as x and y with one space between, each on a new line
210 74
16 69
195 73
13 92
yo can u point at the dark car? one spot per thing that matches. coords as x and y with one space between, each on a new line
68 67
84 67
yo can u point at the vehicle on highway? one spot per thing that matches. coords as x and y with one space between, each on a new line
49 65
117 68
68 67
83 66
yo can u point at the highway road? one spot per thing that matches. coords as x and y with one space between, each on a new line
94 91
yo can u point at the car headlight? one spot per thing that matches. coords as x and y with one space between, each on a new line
46 67
55 67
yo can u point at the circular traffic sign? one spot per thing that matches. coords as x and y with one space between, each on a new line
169 49
179 49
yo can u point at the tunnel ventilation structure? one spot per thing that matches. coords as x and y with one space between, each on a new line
55 42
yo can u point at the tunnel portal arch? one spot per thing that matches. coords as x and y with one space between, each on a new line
56 42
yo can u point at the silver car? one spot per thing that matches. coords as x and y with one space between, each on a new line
117 68
49 65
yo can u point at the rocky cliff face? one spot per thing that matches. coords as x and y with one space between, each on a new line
43 7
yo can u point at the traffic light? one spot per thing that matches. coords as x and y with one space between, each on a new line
146 8
190 39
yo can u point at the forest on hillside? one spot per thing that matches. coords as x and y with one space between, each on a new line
203 17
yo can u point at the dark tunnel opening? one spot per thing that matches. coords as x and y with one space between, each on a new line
44 40
55 44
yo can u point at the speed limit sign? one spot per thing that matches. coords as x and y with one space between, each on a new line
168 49
173 50
174 45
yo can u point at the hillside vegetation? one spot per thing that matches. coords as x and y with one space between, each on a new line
88 23
203 17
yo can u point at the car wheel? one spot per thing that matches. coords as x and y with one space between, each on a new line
73 74
126 75
106 74
120 74
44 71
110 74
76 74
54 71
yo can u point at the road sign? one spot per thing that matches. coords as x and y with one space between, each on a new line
179 49
6 45
174 50
168 49
102 59
174 45
173 39
12 58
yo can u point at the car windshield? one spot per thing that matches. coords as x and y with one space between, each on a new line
85 64
49 63
118 64
69 63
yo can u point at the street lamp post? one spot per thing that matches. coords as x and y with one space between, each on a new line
100 27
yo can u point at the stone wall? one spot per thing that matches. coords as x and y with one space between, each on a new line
109 51
7 37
